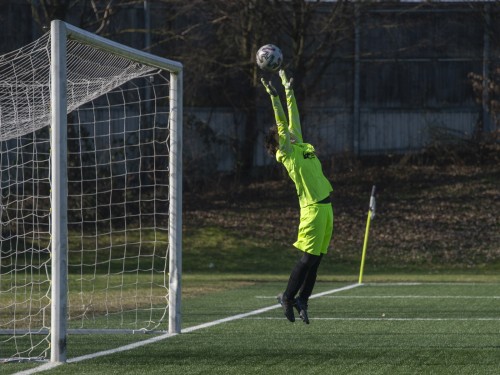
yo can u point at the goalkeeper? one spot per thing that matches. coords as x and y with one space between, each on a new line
313 190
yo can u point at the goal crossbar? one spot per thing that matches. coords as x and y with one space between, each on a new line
118 49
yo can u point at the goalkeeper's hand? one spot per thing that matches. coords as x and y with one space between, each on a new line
269 87
287 84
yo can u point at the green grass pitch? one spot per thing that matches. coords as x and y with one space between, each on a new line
379 328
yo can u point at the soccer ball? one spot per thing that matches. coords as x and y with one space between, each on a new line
269 58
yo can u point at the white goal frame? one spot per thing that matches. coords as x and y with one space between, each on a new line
60 32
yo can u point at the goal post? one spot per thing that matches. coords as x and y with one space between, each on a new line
90 210
175 227
59 191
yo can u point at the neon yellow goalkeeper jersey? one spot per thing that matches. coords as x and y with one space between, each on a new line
306 172
299 158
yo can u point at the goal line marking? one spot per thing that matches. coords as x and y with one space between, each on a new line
51 365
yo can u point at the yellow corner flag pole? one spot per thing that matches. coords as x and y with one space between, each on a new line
371 215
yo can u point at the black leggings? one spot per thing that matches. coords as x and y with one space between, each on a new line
303 277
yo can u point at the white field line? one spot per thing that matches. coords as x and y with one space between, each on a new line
400 297
415 296
428 283
393 319
49 366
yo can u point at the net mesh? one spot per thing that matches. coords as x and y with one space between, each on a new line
117 195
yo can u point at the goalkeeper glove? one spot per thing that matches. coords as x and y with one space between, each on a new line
287 84
269 87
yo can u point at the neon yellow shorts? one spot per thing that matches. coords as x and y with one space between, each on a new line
315 228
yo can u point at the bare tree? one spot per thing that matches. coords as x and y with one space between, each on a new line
487 94
93 15
217 41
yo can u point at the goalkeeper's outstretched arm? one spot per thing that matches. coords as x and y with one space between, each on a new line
280 117
293 111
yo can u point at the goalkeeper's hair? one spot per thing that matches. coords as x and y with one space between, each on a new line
271 141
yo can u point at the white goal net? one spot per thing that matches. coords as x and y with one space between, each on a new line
118 220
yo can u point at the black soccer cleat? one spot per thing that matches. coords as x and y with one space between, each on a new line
287 307
301 307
